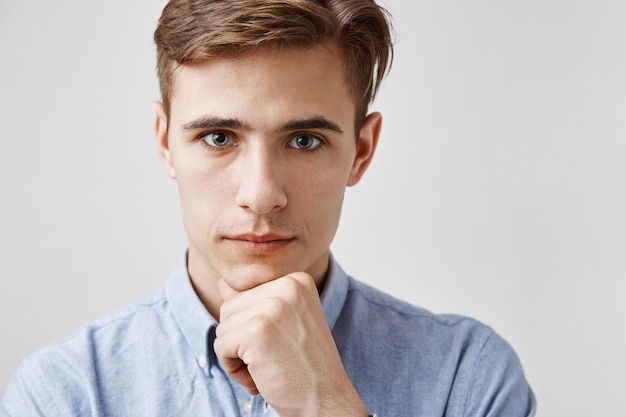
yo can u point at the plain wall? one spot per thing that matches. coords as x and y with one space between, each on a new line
498 190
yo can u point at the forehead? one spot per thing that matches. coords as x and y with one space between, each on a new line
265 82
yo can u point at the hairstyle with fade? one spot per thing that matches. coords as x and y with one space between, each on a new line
191 31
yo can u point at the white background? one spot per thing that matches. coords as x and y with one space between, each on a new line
499 189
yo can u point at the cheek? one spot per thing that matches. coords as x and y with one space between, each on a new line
203 194
320 200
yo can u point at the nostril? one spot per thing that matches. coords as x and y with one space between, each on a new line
261 195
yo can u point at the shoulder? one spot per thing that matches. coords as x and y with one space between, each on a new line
424 355
145 314
105 337
375 306
58 377
150 307
393 327
383 316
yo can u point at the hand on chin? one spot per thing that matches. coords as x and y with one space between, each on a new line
252 275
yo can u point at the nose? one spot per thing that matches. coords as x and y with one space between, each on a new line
261 183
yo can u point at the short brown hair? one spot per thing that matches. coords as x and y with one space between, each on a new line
191 31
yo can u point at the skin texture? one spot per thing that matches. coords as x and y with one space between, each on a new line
263 147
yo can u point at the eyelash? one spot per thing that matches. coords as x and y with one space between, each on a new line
201 138
323 143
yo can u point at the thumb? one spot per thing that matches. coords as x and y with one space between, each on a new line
226 291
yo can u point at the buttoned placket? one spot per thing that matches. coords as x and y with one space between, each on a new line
253 406
256 407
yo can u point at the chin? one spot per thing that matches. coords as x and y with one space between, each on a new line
250 276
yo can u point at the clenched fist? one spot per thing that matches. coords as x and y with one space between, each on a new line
274 340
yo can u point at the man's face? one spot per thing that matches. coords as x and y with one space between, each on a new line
262 148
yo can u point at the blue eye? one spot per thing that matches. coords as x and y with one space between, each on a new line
216 139
305 142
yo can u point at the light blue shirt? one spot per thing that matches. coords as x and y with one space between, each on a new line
155 358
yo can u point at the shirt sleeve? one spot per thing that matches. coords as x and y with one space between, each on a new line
499 387
27 395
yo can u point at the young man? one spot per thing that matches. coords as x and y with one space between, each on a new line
263 124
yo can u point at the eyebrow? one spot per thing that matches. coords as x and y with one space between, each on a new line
208 122
320 123
215 122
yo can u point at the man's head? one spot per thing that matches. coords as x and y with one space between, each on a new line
192 31
262 102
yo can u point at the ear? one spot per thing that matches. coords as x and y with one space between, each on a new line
368 139
160 131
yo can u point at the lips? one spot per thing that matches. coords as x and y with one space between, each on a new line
260 244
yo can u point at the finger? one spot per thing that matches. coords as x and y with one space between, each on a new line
226 350
259 317
238 372
295 288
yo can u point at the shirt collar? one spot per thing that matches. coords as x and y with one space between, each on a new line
334 292
198 326
192 318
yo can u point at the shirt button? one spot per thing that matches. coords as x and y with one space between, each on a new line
202 361
247 406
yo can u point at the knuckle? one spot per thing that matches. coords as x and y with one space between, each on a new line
218 346
275 307
261 324
293 291
225 310
291 283
220 330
